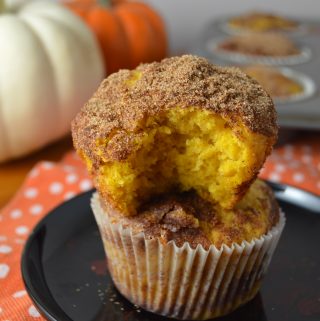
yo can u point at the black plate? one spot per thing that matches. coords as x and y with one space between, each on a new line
65 273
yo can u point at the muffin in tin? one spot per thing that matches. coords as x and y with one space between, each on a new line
269 44
275 82
261 22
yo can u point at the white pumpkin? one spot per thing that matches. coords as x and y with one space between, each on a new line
50 64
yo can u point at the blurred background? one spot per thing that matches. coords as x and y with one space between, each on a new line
70 46
186 20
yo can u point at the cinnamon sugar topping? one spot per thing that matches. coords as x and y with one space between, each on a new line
127 98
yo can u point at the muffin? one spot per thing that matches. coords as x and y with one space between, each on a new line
174 149
261 22
174 126
274 81
260 44
187 258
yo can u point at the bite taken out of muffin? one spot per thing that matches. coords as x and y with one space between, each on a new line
175 125
174 149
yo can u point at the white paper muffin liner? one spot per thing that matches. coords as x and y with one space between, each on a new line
181 282
308 85
212 47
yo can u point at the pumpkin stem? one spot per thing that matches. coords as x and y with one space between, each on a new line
11 6
2 6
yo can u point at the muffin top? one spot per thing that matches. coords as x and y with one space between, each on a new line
261 44
188 218
127 98
178 125
273 80
262 21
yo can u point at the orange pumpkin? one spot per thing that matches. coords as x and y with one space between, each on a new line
129 33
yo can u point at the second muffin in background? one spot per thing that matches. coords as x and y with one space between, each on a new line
275 82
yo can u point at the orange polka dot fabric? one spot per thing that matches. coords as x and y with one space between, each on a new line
296 164
49 184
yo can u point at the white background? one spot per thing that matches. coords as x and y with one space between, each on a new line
186 18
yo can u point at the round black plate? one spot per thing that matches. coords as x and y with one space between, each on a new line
64 270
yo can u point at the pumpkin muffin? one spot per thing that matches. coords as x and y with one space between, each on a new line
260 44
178 125
273 81
262 21
174 149
187 258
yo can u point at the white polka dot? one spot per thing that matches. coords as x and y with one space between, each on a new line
47 165
85 185
1 218
274 177
71 178
294 164
288 156
318 185
5 249
31 192
33 312
306 158
306 148
313 171
16 213
56 188
274 157
279 168
288 147
298 177
19 294
22 230
3 238
36 209
69 195
34 173
19 241
4 270
1 310
75 156
68 168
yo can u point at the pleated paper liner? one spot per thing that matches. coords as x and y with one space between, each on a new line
307 84
181 282
212 47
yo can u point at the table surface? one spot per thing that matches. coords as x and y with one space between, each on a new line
13 173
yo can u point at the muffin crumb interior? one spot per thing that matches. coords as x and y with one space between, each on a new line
178 125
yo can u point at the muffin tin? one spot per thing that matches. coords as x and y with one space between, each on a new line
298 111
308 85
234 57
